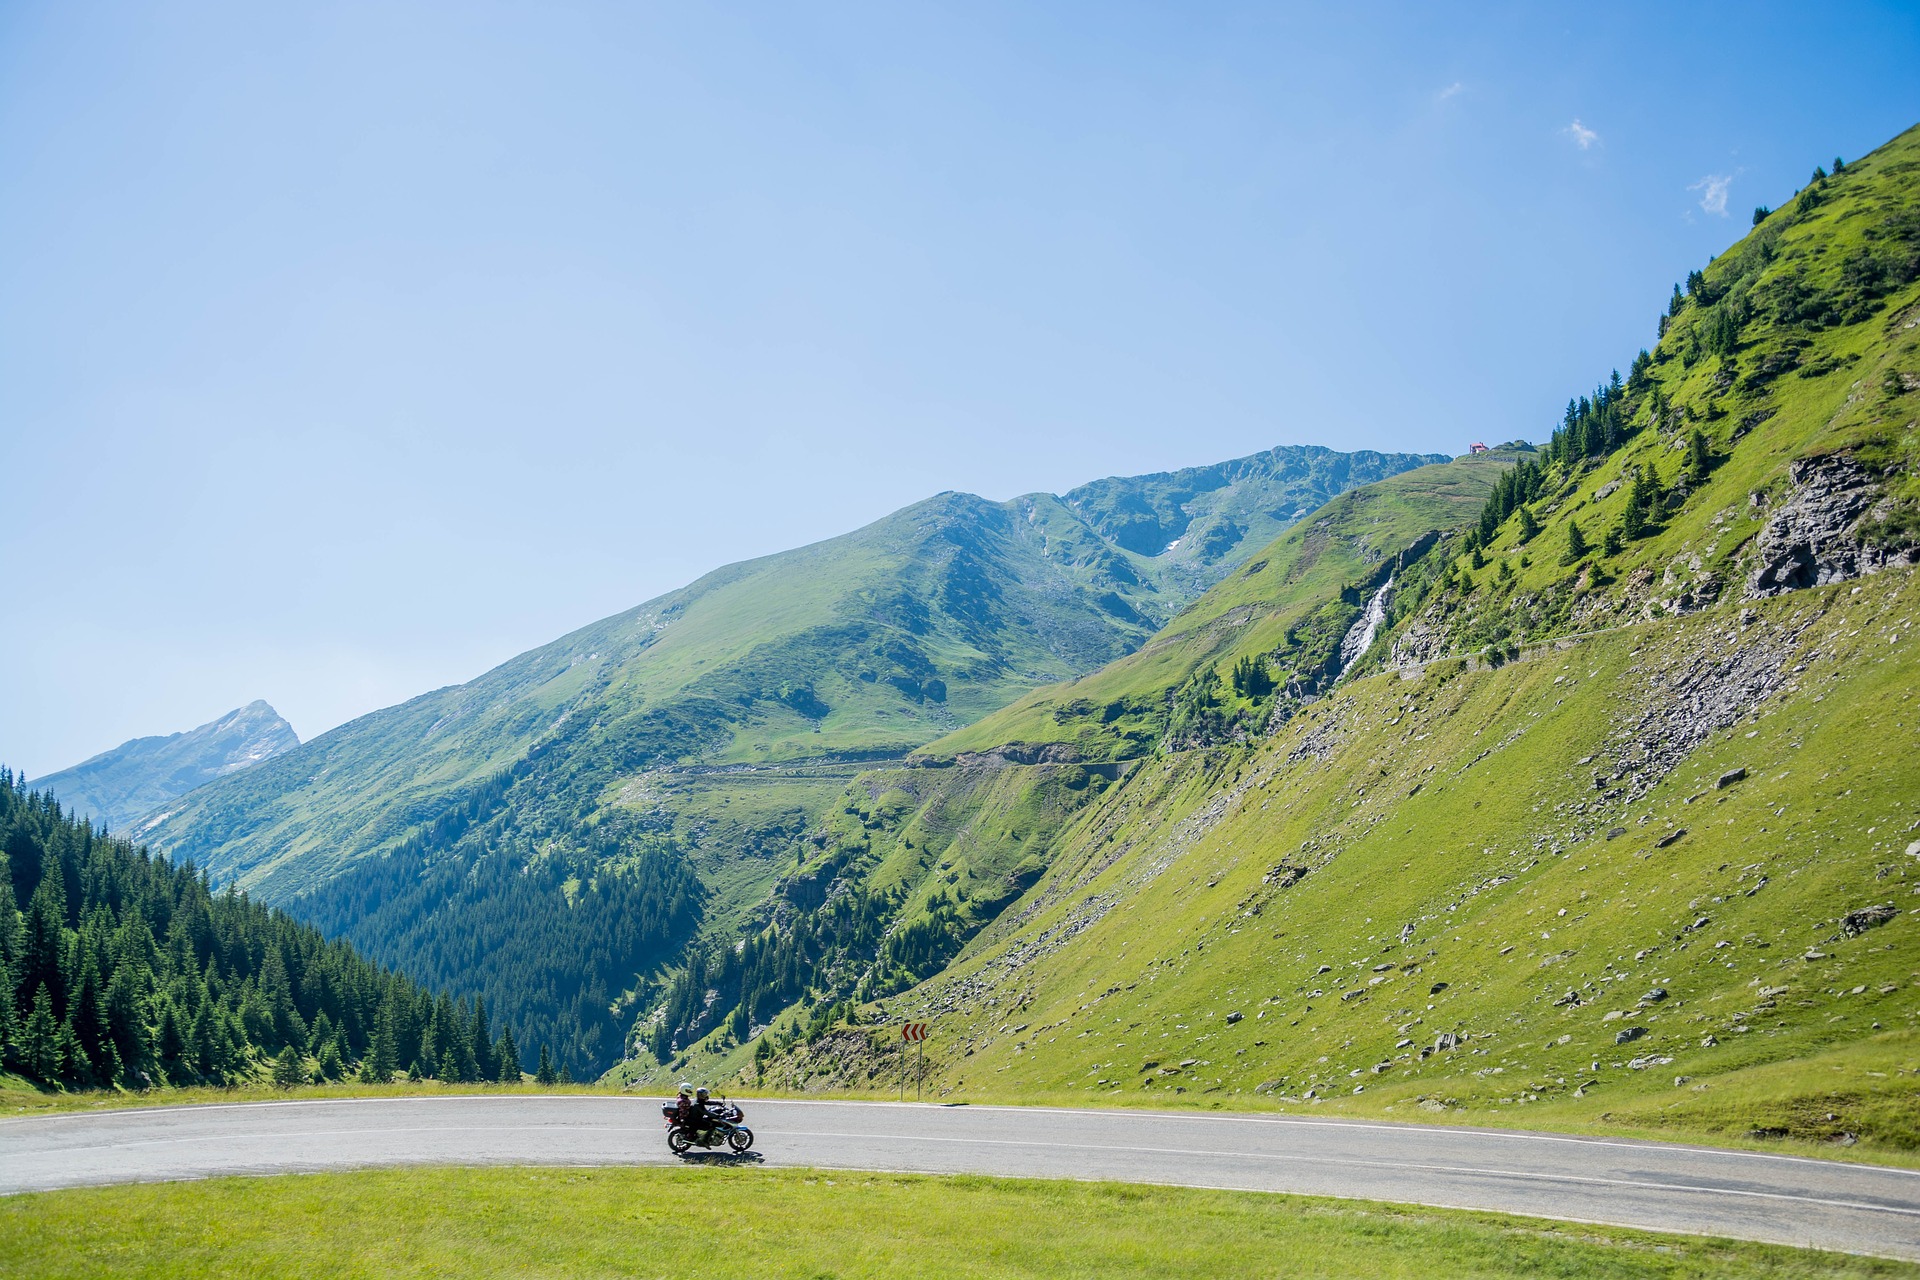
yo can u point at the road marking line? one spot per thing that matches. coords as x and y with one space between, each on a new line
1909 1211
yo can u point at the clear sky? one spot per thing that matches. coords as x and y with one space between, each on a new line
347 350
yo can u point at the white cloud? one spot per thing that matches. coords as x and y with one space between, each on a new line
1713 192
1449 91
1582 136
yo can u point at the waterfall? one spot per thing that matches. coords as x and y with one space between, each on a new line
1359 637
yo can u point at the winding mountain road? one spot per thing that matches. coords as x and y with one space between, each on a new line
1755 1196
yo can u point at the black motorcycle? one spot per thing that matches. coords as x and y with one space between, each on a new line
723 1127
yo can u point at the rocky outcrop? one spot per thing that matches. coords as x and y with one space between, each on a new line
1812 538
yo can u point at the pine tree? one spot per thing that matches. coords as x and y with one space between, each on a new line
544 1075
1613 543
288 1070
1529 527
320 1033
9 1024
13 935
1633 520
70 1059
127 1023
40 966
383 1058
1576 544
1699 456
38 1056
507 1055
171 1043
89 1018
485 1065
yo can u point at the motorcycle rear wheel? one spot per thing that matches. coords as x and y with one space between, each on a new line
678 1140
740 1139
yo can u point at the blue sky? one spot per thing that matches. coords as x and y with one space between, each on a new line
347 350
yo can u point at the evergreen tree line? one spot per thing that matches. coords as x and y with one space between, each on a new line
124 969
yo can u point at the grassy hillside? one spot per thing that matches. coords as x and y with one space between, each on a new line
1417 890
1612 829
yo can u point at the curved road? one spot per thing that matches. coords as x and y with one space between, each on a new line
1755 1196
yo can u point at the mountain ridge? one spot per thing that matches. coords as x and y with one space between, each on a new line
120 786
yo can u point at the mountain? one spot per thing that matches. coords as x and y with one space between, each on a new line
1589 803
1312 582
566 823
139 777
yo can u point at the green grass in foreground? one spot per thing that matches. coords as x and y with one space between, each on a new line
802 1223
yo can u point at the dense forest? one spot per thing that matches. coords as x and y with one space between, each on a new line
550 917
126 970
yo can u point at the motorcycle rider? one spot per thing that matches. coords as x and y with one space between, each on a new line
687 1112
703 1109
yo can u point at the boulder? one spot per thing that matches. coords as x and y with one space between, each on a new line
1855 923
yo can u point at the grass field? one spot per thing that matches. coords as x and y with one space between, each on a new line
732 1222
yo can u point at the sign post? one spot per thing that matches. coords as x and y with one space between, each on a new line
914 1033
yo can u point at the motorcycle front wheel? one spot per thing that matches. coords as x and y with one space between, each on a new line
678 1140
740 1139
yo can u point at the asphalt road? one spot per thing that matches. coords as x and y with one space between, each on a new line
1784 1199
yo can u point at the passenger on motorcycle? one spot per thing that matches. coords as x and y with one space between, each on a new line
687 1111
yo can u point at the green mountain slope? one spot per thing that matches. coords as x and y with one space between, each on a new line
1416 890
120 786
1589 815
1307 586
861 647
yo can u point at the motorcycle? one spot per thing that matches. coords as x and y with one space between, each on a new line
723 1127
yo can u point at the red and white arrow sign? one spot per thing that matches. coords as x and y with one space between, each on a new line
914 1031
